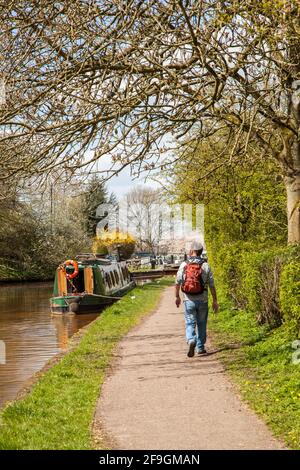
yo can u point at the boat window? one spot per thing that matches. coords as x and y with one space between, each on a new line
113 281
113 278
127 275
108 279
117 277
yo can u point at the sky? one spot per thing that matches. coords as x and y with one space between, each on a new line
123 182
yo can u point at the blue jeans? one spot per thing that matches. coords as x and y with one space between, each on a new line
195 313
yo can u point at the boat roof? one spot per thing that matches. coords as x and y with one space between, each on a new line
92 258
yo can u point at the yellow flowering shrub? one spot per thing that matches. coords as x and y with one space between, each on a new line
114 241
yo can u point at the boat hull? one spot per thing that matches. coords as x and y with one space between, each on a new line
86 303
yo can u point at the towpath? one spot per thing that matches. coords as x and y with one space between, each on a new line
155 397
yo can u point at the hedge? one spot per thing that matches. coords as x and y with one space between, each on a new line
290 293
264 280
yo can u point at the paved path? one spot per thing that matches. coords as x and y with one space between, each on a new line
156 398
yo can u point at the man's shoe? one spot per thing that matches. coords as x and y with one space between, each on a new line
191 351
201 351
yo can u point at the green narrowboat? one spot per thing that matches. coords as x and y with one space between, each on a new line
88 283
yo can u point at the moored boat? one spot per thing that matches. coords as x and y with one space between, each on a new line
88 283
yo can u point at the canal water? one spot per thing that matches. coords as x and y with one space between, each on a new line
29 334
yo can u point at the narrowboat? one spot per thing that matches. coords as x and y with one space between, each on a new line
88 283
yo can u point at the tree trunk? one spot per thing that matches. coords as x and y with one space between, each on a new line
292 184
292 176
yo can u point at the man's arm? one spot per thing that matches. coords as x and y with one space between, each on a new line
211 283
177 296
215 304
177 284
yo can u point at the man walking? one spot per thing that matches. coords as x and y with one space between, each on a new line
194 276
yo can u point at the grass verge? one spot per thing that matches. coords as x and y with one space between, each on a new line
261 364
58 413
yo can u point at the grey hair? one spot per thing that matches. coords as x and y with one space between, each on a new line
196 246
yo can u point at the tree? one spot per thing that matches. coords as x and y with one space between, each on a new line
144 217
95 194
244 200
122 77
39 230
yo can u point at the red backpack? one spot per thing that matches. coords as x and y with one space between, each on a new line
192 279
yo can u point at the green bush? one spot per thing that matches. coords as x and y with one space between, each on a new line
260 274
249 282
252 273
226 263
289 293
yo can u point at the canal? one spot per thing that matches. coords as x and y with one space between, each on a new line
29 334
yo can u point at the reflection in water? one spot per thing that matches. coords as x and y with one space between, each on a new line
67 325
31 335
